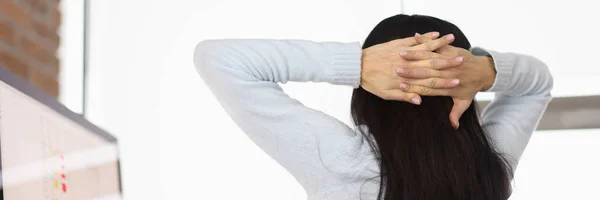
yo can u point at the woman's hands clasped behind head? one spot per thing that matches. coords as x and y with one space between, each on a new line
476 73
381 64
428 66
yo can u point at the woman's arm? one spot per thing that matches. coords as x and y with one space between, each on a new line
243 75
522 93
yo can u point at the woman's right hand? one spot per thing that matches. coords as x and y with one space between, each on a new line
476 73
381 64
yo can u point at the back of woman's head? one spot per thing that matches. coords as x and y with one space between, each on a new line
421 155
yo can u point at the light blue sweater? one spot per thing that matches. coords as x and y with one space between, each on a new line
329 159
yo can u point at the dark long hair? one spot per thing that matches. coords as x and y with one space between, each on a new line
421 156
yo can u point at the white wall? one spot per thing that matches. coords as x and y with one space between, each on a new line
128 42
177 143
559 165
70 54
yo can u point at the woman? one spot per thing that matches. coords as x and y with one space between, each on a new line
417 135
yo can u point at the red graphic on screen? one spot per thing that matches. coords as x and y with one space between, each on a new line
60 175
63 176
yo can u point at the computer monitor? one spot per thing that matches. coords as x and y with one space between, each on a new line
48 152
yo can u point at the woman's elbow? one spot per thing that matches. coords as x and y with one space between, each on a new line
203 53
550 82
547 82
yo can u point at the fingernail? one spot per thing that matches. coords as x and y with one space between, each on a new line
459 59
435 34
403 53
400 70
417 35
455 82
457 125
403 85
416 101
450 37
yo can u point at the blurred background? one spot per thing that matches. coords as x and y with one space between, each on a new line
126 65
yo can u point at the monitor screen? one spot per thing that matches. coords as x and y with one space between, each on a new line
50 153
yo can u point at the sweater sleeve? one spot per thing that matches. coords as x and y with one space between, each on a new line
243 75
522 93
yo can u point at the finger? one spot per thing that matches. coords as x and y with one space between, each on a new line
431 35
411 41
436 63
459 107
419 38
421 55
427 37
399 95
434 83
434 44
426 91
418 73
447 49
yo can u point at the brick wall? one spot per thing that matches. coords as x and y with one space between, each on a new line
29 41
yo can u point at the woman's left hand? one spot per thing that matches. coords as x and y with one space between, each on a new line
475 74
